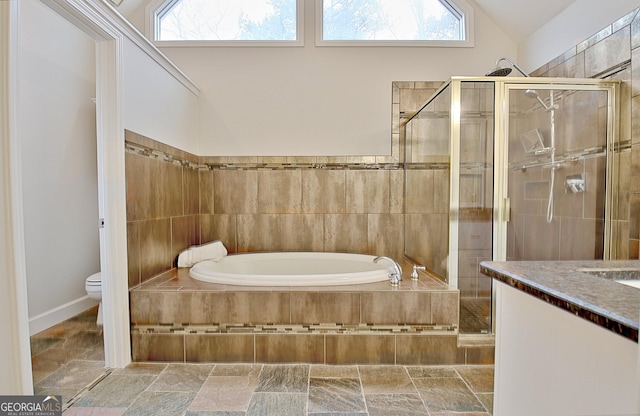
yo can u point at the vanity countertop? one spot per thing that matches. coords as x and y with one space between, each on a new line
585 288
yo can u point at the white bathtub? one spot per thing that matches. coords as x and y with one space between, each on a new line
292 269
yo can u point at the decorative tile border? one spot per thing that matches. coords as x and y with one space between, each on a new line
324 328
156 154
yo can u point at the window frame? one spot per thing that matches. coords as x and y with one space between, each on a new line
461 7
156 8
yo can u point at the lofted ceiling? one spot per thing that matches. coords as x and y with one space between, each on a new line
521 18
517 18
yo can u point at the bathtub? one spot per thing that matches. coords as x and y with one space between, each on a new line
292 269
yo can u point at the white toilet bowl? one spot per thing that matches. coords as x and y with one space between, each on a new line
93 286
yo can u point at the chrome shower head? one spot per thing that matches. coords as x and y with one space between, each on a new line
503 71
499 71
534 94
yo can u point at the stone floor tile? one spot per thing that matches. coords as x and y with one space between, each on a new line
385 380
395 404
76 374
236 370
335 395
334 371
280 404
165 403
479 378
142 369
487 401
447 394
182 377
432 371
225 393
94 411
284 379
116 390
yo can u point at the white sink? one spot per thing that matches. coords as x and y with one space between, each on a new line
634 283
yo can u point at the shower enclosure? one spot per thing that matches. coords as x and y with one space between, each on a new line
507 169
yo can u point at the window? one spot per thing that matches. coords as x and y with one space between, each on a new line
393 22
227 22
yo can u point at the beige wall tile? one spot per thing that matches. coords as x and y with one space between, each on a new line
429 350
290 348
301 232
396 191
219 227
133 253
138 177
420 199
157 347
259 232
206 192
223 348
150 308
580 239
608 52
386 235
191 191
346 233
237 307
235 191
279 191
396 307
367 191
323 191
185 232
325 307
360 349
445 308
155 248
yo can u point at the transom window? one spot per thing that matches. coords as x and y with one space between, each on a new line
234 21
394 22
338 22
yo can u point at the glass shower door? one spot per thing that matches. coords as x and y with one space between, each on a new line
557 149
473 203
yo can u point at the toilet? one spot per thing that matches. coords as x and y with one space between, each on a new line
93 286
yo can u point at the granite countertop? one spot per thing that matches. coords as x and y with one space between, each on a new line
584 288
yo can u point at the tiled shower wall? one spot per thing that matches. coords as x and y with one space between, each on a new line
614 53
175 200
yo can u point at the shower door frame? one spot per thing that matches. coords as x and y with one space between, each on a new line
500 217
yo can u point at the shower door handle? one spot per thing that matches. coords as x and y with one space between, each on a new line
506 209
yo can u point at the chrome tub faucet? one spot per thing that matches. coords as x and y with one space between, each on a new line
395 272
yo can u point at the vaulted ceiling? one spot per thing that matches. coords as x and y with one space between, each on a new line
521 18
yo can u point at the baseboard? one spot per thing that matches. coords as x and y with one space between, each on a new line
59 314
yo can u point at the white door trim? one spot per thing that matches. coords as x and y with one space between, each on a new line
93 20
15 356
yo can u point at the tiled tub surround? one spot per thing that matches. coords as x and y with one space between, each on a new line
175 200
176 318
569 285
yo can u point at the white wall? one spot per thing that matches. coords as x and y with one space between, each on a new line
56 123
156 104
318 100
576 23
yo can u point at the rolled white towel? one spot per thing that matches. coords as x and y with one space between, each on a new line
210 251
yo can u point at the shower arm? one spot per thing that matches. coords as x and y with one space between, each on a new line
512 64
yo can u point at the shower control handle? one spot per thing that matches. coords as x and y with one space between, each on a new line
414 273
